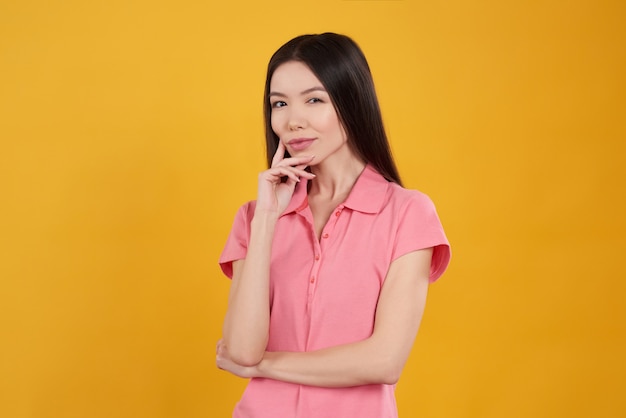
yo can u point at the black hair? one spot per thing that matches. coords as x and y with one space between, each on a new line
340 65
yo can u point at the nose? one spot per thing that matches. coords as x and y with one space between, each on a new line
294 126
296 120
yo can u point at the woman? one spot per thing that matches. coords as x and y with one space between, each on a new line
330 265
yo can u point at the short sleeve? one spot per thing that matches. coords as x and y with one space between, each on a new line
236 246
419 227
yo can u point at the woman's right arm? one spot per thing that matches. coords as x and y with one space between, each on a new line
246 325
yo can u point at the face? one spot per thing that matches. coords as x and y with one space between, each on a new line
303 116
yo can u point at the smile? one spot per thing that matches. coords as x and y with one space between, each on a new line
299 144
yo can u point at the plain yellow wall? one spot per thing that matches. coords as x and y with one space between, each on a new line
130 131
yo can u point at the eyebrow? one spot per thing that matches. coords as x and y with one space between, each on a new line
302 93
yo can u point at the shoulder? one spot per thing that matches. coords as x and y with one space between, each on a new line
246 211
243 218
408 200
418 227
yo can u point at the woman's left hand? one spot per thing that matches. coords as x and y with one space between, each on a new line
224 362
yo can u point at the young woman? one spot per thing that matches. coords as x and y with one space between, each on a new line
330 265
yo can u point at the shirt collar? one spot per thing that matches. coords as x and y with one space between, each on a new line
367 195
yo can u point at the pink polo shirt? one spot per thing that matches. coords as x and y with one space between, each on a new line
324 293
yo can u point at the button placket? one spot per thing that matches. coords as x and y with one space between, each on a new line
330 225
319 248
314 273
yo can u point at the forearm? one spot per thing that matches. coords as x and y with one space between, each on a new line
361 363
377 359
246 324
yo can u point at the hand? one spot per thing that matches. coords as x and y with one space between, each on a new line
274 194
224 362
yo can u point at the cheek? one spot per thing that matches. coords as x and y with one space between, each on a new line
275 123
333 124
327 120
279 121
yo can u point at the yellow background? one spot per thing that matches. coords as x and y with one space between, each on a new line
130 132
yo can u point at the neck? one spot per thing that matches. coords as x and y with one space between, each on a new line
335 179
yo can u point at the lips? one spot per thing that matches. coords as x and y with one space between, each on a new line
299 144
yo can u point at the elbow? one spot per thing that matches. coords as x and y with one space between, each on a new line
245 357
247 360
389 377
389 372
243 351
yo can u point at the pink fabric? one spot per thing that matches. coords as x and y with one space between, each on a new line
324 293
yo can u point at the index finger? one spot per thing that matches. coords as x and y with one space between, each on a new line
279 154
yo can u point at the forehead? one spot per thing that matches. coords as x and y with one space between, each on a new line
293 76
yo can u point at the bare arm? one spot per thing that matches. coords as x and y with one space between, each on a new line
377 359
246 325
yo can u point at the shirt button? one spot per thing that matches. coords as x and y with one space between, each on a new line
337 213
317 257
325 236
312 279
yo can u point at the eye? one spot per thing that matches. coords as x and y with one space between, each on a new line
278 104
314 100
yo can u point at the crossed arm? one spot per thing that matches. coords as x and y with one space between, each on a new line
377 359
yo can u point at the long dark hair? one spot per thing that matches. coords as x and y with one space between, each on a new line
339 64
